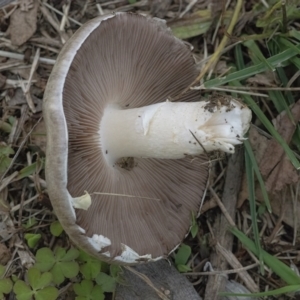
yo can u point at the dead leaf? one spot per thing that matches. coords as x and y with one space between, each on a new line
284 174
264 79
275 167
159 8
221 67
283 203
5 254
18 98
23 22
26 259
2 81
26 5
259 143
4 204
38 136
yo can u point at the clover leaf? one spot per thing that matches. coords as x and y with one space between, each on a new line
60 263
38 286
5 283
86 290
32 239
106 282
116 272
90 266
56 228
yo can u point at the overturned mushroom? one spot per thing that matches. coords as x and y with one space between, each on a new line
114 133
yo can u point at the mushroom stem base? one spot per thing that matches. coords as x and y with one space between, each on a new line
172 130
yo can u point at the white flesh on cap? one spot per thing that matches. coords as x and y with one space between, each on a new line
172 130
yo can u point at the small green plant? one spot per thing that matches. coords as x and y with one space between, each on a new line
194 227
181 258
30 223
106 282
53 267
32 239
91 269
56 228
5 152
5 283
89 266
86 290
38 286
35 167
60 263
116 272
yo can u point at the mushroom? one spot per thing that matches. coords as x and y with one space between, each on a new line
125 168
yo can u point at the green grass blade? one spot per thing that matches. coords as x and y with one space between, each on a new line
276 97
259 56
278 267
280 103
274 61
281 291
259 113
251 191
258 174
283 78
238 54
295 34
289 45
296 61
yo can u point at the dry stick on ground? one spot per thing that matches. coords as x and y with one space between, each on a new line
223 237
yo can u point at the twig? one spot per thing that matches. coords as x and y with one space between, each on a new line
100 10
26 89
17 207
235 91
188 7
7 54
64 19
222 207
6 181
233 271
63 36
234 263
60 13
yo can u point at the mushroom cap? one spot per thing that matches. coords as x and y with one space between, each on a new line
138 214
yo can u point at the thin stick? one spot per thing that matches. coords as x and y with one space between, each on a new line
233 91
222 207
233 271
27 88
7 54
64 19
61 14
